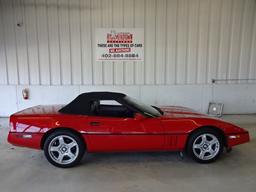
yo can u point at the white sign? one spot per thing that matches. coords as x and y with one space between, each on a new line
119 44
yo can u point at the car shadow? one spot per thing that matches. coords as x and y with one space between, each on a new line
232 159
135 157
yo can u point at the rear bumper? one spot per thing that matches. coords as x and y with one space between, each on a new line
30 140
238 138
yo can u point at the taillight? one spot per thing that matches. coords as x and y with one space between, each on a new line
11 127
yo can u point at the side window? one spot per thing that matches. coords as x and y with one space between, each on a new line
109 102
110 108
94 106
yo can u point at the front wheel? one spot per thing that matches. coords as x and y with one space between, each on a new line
205 145
64 149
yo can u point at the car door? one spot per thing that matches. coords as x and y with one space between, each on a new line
124 133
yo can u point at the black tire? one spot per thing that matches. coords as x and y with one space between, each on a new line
194 152
77 150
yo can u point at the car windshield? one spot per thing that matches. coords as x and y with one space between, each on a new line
146 109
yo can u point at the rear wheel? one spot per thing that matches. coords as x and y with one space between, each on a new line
64 149
205 145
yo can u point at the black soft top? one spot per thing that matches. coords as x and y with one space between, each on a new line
82 103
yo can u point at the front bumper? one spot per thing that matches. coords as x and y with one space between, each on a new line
30 140
237 138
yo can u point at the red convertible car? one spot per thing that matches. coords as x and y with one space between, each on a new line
114 122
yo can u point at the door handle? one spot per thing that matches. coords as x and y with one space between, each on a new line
95 123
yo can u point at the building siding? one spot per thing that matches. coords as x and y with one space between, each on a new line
186 41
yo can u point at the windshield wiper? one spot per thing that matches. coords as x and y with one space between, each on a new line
158 109
148 114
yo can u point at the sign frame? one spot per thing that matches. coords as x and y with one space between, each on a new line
119 44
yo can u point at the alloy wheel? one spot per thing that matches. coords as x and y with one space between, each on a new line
63 149
206 146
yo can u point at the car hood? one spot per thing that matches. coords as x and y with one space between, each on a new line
185 115
181 112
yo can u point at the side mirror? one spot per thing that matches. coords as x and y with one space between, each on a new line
139 116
